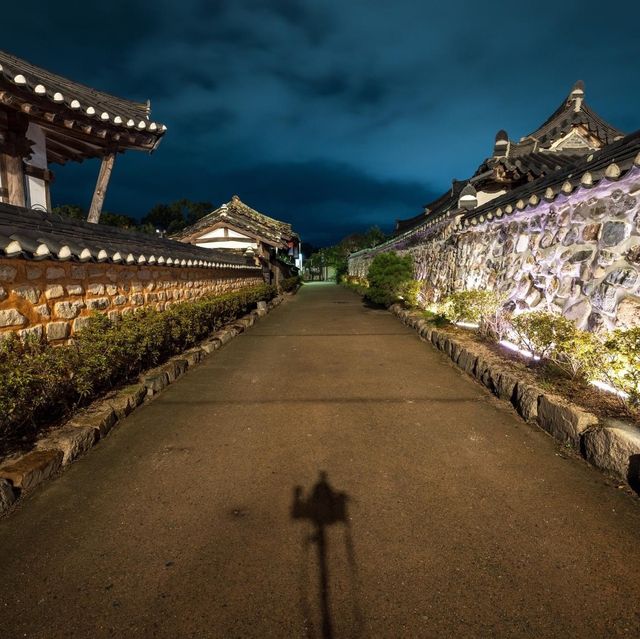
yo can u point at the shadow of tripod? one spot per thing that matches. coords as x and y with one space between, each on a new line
324 507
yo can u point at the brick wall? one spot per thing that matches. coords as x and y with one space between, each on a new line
53 299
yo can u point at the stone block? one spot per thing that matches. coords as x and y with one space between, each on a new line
7 496
57 330
101 418
126 399
155 382
11 317
480 367
8 273
563 420
28 471
34 272
491 377
68 310
53 291
238 326
55 273
34 332
95 289
224 336
28 293
3 293
525 401
456 349
75 289
43 310
210 345
467 361
72 441
79 323
193 356
175 367
119 300
615 448
98 304
506 386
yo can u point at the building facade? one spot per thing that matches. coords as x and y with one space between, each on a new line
237 228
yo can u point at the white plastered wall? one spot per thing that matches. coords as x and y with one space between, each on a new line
36 188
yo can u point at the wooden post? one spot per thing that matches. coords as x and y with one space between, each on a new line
14 173
101 188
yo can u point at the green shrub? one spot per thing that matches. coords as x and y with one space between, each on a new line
539 331
471 306
623 362
39 382
390 278
290 283
557 339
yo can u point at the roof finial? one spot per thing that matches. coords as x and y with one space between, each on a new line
577 95
501 146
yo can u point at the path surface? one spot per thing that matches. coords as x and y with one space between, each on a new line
458 519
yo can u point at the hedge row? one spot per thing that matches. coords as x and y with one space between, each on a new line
40 383
290 283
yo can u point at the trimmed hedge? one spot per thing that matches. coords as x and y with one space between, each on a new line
290 283
40 383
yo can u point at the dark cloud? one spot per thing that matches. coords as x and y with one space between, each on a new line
338 114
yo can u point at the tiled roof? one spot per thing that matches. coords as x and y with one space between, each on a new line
610 163
237 214
573 112
517 165
77 97
31 234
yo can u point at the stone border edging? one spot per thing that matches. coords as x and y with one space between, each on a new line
610 445
88 426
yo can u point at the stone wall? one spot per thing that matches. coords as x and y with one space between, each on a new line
53 299
578 255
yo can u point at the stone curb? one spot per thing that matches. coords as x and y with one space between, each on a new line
20 474
609 445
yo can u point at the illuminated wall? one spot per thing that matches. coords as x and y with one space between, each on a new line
578 255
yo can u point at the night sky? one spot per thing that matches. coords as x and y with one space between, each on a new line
333 115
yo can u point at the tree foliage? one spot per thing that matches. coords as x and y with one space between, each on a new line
338 254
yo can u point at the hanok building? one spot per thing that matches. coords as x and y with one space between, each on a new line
570 134
550 222
47 119
236 227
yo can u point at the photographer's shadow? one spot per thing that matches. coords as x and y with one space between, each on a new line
322 508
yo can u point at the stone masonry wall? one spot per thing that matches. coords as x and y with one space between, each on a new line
53 299
578 255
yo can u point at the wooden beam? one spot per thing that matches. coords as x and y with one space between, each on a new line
14 173
101 188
